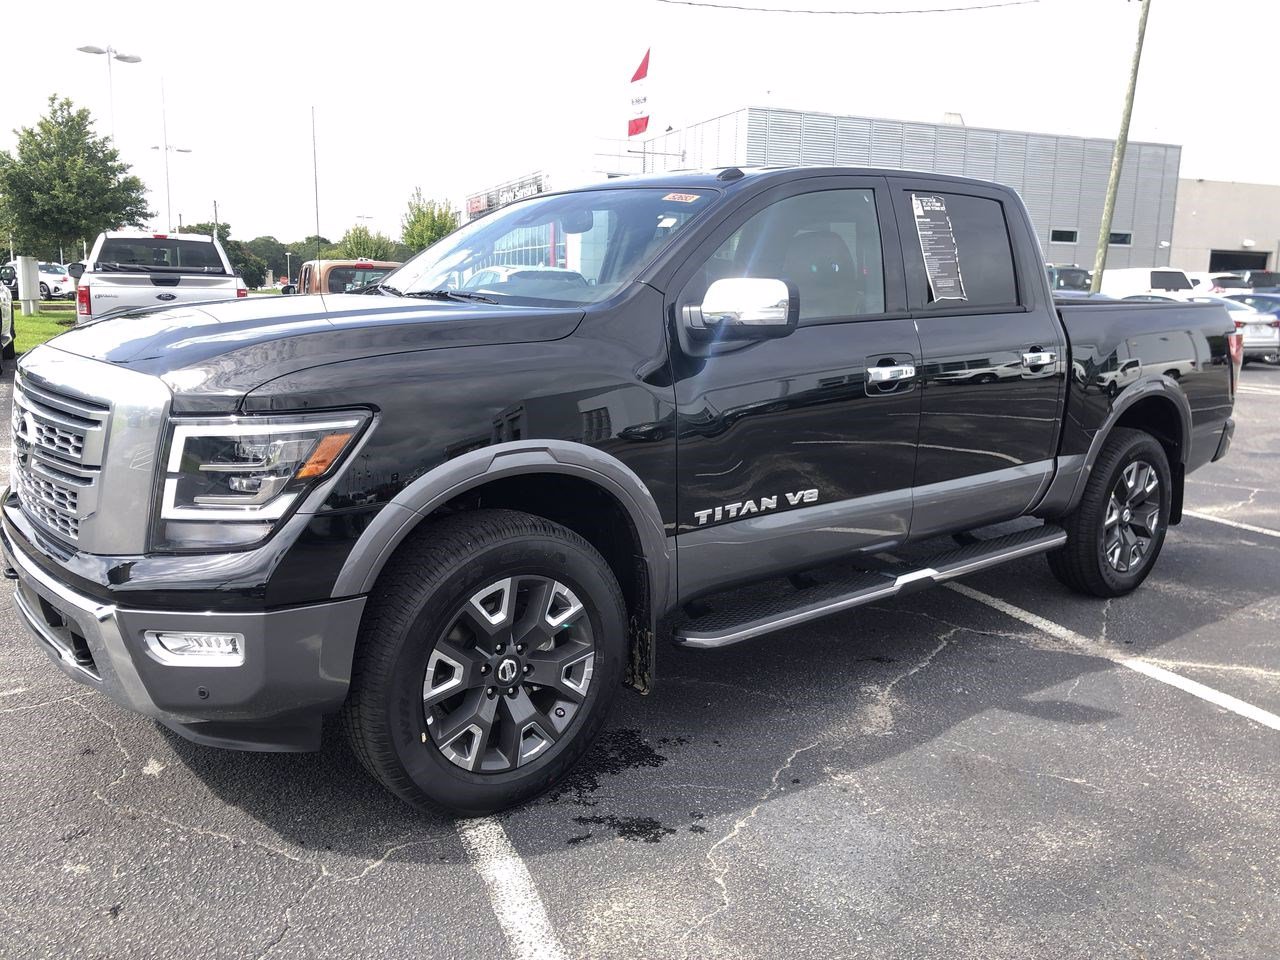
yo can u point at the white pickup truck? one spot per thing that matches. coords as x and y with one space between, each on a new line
130 269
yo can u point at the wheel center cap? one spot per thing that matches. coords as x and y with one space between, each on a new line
1127 516
507 670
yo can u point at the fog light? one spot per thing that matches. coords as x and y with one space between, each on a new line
183 649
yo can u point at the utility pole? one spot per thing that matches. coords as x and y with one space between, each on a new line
1117 158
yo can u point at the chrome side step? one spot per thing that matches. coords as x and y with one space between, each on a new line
782 609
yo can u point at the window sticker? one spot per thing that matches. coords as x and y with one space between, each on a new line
682 197
938 245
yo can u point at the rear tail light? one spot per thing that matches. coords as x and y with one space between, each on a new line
1274 324
1235 348
66 279
1239 324
242 291
82 301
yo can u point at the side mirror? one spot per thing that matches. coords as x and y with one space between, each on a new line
744 308
288 290
76 270
8 274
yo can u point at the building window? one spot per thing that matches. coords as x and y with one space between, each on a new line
1120 239
1063 236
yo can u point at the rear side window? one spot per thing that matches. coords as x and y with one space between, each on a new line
342 279
153 254
1169 280
983 255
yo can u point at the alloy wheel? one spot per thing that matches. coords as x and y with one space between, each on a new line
1133 517
508 675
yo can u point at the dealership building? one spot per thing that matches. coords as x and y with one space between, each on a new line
1159 219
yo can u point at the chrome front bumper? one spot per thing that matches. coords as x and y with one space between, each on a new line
81 635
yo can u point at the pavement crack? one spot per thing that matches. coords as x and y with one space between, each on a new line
879 710
719 871
1106 615
44 703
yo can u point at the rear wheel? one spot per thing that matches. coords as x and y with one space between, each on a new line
1116 532
488 657
44 291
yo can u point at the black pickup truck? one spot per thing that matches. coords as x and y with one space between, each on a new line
465 507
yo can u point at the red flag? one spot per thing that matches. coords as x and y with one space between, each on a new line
642 71
639 121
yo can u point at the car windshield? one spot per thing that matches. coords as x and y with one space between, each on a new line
1071 278
163 254
567 249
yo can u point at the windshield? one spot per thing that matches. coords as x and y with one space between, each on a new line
157 253
573 248
1071 278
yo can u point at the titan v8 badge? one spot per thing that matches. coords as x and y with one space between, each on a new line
745 507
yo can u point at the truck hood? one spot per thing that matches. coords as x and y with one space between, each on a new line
212 354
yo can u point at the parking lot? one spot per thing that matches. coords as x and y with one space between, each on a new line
998 769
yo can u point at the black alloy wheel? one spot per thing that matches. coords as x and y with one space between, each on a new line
1115 533
508 675
490 651
1132 520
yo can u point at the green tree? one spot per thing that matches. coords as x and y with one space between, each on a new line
271 251
426 222
359 243
62 184
314 247
252 268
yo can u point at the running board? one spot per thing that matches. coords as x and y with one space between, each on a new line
782 609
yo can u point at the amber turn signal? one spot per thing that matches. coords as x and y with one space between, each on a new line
326 452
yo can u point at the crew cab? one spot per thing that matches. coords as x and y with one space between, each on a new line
463 514
128 269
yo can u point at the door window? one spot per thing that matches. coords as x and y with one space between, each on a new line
983 254
827 244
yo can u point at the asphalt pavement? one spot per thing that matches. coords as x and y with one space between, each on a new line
973 772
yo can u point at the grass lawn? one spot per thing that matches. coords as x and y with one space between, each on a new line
33 330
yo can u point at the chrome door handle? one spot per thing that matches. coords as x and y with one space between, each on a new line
1039 359
901 371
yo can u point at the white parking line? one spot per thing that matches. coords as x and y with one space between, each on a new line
1216 697
1265 531
512 893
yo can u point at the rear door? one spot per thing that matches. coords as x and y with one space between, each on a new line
993 351
803 447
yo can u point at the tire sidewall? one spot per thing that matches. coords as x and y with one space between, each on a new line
443 781
1148 449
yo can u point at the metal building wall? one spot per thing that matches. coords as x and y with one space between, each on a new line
1062 179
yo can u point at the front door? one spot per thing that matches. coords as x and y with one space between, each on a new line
993 353
795 449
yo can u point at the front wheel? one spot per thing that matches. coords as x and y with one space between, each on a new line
488 657
44 291
1115 533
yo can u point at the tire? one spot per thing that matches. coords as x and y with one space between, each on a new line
1085 564
428 610
44 291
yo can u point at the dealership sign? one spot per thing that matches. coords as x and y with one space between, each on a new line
481 203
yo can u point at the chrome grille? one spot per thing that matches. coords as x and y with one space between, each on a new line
58 441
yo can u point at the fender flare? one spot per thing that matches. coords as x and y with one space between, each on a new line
414 503
1153 386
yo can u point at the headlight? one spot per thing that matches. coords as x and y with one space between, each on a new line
227 482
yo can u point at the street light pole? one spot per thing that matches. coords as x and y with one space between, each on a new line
1117 157
111 53
164 127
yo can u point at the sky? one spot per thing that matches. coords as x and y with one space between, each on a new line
455 97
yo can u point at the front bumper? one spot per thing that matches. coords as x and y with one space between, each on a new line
297 663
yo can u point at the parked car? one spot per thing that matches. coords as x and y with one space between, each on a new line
338 276
129 269
1073 278
1208 284
458 519
1261 330
7 345
1262 281
55 282
1137 281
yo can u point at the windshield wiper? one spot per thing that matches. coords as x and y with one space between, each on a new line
383 288
450 295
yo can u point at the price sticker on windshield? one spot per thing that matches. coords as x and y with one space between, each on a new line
682 197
